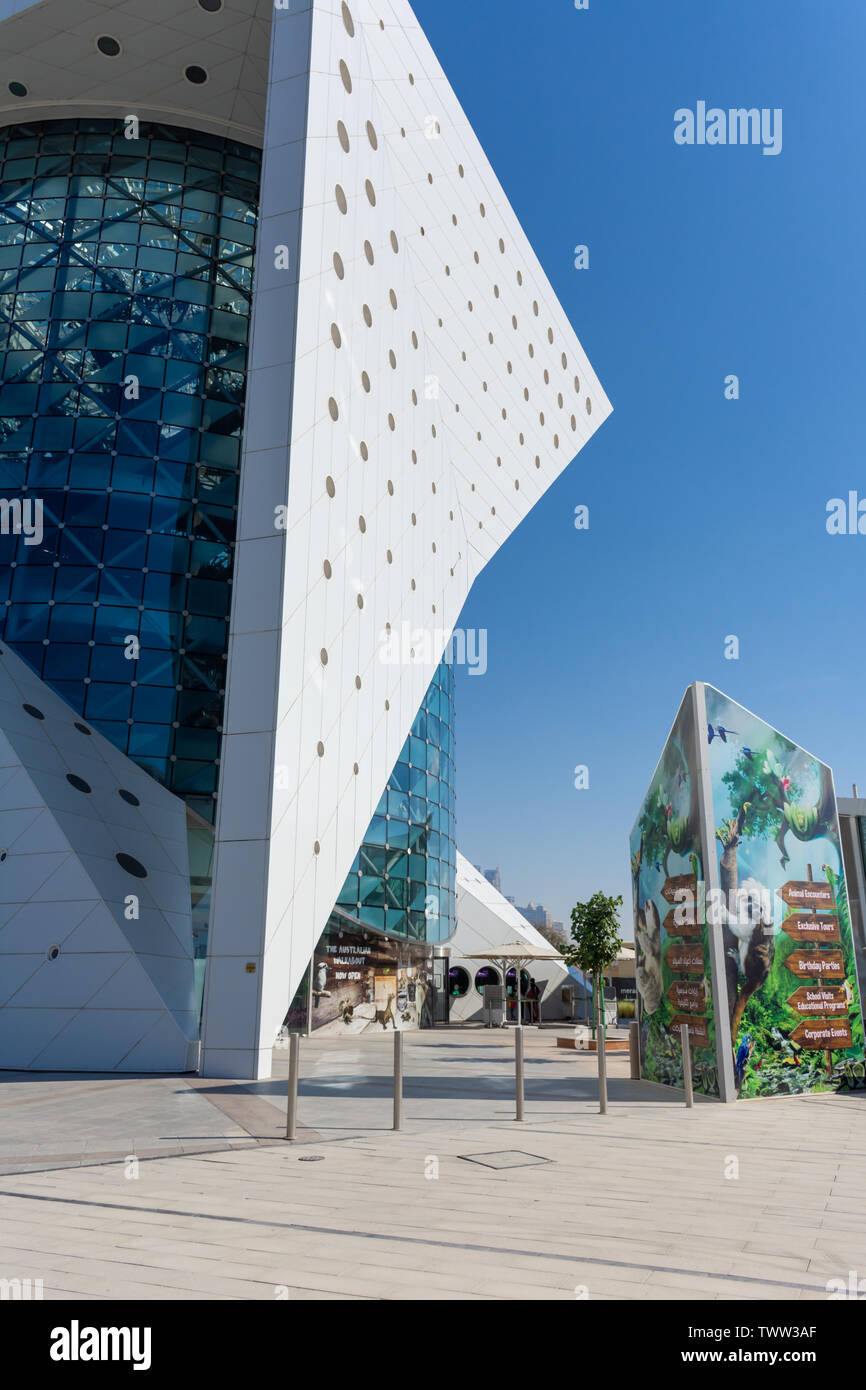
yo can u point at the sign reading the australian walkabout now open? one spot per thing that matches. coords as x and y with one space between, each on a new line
740 816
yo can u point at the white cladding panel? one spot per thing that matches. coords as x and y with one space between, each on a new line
415 387
93 861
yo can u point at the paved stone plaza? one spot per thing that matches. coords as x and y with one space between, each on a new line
568 1204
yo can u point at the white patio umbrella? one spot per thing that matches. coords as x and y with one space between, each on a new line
517 954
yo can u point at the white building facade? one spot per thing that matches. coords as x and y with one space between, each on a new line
413 388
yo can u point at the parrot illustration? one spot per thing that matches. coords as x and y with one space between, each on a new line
744 1052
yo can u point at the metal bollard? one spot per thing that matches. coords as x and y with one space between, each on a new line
398 1080
687 1065
602 1059
518 1069
294 1069
634 1050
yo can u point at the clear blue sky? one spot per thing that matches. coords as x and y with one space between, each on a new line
707 516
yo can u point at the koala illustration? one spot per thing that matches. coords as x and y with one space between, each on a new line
648 974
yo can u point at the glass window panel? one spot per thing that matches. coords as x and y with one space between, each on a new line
108 701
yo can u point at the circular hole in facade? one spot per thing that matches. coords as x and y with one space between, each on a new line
370 192
341 202
458 982
329 487
395 245
333 409
345 76
82 728
335 334
3 855
78 783
486 976
368 252
108 45
320 749
348 20
372 136
323 656
33 711
196 75
52 953
343 136
18 89
338 265
129 797
210 5
327 568
131 865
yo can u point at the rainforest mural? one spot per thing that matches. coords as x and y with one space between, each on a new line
792 998
672 961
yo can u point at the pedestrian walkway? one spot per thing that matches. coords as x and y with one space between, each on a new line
652 1201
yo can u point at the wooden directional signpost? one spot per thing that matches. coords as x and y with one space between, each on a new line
688 996
680 888
809 894
816 965
675 926
823 1034
823 1001
698 1028
685 958
814 925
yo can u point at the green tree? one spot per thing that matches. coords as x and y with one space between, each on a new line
595 945
595 939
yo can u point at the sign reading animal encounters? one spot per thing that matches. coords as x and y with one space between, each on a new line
807 894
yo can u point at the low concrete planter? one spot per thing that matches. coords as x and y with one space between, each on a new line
591 1044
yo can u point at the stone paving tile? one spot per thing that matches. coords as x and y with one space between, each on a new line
635 1205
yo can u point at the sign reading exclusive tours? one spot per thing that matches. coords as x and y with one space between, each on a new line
742 928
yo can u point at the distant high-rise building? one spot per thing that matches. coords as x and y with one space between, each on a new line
537 915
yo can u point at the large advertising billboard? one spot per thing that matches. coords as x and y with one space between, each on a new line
742 931
360 982
673 973
791 984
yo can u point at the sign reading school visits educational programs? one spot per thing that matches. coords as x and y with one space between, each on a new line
775 955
